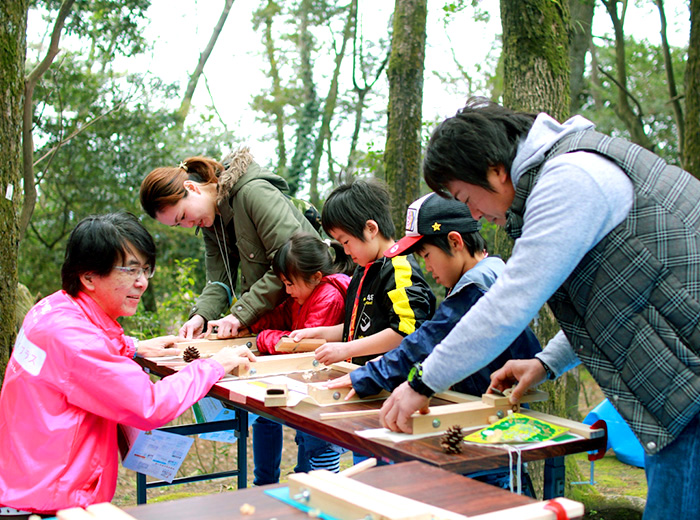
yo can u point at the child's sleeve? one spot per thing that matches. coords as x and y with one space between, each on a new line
410 300
392 368
272 326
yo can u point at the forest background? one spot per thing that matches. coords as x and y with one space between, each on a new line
96 93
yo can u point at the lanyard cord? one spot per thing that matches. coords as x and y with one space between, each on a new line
358 295
224 255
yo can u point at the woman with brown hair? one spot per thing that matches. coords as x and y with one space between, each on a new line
245 218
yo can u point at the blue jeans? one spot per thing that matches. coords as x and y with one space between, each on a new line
673 477
267 451
312 451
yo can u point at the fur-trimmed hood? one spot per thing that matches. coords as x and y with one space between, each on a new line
239 169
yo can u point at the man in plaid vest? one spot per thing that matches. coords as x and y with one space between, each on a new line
609 234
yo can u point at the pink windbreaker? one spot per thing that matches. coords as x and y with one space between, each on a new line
325 306
70 380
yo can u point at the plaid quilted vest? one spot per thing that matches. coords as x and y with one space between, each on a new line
631 308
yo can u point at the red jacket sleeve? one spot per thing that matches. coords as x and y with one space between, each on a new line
272 326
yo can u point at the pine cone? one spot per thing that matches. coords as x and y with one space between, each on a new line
451 441
190 354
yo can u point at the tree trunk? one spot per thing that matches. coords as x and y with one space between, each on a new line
671 79
27 118
13 45
535 56
276 106
581 23
691 148
536 79
308 114
329 107
194 78
403 142
632 120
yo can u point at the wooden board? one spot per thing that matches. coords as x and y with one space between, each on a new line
279 364
212 346
286 344
347 499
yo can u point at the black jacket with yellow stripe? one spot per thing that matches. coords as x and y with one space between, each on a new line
394 294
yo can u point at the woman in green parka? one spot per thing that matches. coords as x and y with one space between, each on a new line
244 217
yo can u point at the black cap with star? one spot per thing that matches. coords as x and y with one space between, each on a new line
433 215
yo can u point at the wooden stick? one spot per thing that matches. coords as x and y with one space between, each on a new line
359 467
328 416
286 344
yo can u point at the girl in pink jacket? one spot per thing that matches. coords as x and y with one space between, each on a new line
71 377
316 284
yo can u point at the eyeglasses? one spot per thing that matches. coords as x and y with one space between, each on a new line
135 272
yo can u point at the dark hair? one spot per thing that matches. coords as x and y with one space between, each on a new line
462 147
304 254
164 187
100 242
350 206
474 243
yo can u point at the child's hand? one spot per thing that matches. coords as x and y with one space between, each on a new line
310 333
332 353
231 357
342 382
158 347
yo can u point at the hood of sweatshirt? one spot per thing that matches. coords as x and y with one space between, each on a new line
240 169
543 135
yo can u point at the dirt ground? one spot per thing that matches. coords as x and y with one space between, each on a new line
619 492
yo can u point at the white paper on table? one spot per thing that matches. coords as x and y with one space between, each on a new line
156 453
387 435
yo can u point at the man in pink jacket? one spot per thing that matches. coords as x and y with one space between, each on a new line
71 377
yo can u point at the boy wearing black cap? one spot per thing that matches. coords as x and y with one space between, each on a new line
444 234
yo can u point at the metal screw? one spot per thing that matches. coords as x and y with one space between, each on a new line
500 414
253 372
336 395
249 344
315 362
436 423
303 496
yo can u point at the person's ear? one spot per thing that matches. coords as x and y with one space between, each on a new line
87 279
191 186
372 228
316 278
455 240
500 173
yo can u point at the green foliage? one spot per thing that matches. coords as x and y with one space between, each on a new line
646 81
177 281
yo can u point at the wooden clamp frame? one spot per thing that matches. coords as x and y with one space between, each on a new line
287 344
280 364
276 395
103 511
348 499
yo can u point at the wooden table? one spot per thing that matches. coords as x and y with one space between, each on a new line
306 417
414 480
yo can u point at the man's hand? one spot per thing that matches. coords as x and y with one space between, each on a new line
159 347
330 353
193 328
397 410
227 327
526 372
232 357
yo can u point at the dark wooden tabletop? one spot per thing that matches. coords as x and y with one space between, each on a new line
306 417
414 480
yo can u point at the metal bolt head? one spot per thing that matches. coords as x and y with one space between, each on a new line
500 414
436 423
336 395
252 372
249 344
315 362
